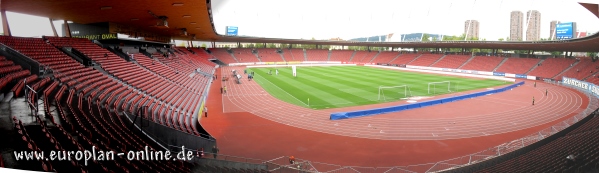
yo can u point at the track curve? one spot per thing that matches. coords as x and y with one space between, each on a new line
483 116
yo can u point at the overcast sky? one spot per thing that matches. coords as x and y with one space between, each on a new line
325 19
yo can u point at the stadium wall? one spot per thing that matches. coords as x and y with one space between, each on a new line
170 138
368 112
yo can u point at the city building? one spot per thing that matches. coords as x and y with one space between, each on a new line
516 23
533 29
471 29
552 29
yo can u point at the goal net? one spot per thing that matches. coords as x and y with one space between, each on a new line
439 87
394 92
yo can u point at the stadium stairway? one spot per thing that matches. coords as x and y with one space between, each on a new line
594 75
467 61
433 64
282 57
394 58
352 56
501 63
351 59
579 71
566 70
534 67
414 59
374 57
329 55
257 56
233 55
305 55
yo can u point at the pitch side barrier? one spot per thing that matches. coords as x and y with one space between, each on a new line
293 63
368 112
298 65
586 86
465 73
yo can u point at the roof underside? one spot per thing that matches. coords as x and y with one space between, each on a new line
122 12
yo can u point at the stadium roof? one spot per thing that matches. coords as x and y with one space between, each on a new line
195 16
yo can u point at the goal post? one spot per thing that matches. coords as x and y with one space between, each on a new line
439 87
394 92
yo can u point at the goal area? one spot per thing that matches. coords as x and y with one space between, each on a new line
394 92
441 87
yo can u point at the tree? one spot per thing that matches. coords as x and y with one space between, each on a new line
556 53
500 39
425 37
271 45
591 54
204 45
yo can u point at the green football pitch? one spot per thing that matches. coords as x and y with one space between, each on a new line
344 86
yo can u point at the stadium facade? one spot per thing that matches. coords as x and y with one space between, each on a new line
399 37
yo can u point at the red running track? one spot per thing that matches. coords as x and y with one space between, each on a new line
265 128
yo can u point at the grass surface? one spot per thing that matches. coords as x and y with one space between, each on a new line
343 86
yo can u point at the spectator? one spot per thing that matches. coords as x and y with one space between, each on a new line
214 151
571 159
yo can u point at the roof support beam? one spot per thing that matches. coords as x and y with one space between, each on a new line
53 28
5 26
67 29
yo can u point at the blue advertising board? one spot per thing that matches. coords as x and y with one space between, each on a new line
498 74
564 30
521 76
232 30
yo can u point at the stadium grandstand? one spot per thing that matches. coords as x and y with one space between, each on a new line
126 86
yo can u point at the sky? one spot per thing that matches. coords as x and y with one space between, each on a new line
325 19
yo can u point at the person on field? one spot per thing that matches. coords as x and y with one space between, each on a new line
545 92
277 71
533 100
221 90
206 111
225 89
535 84
291 160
